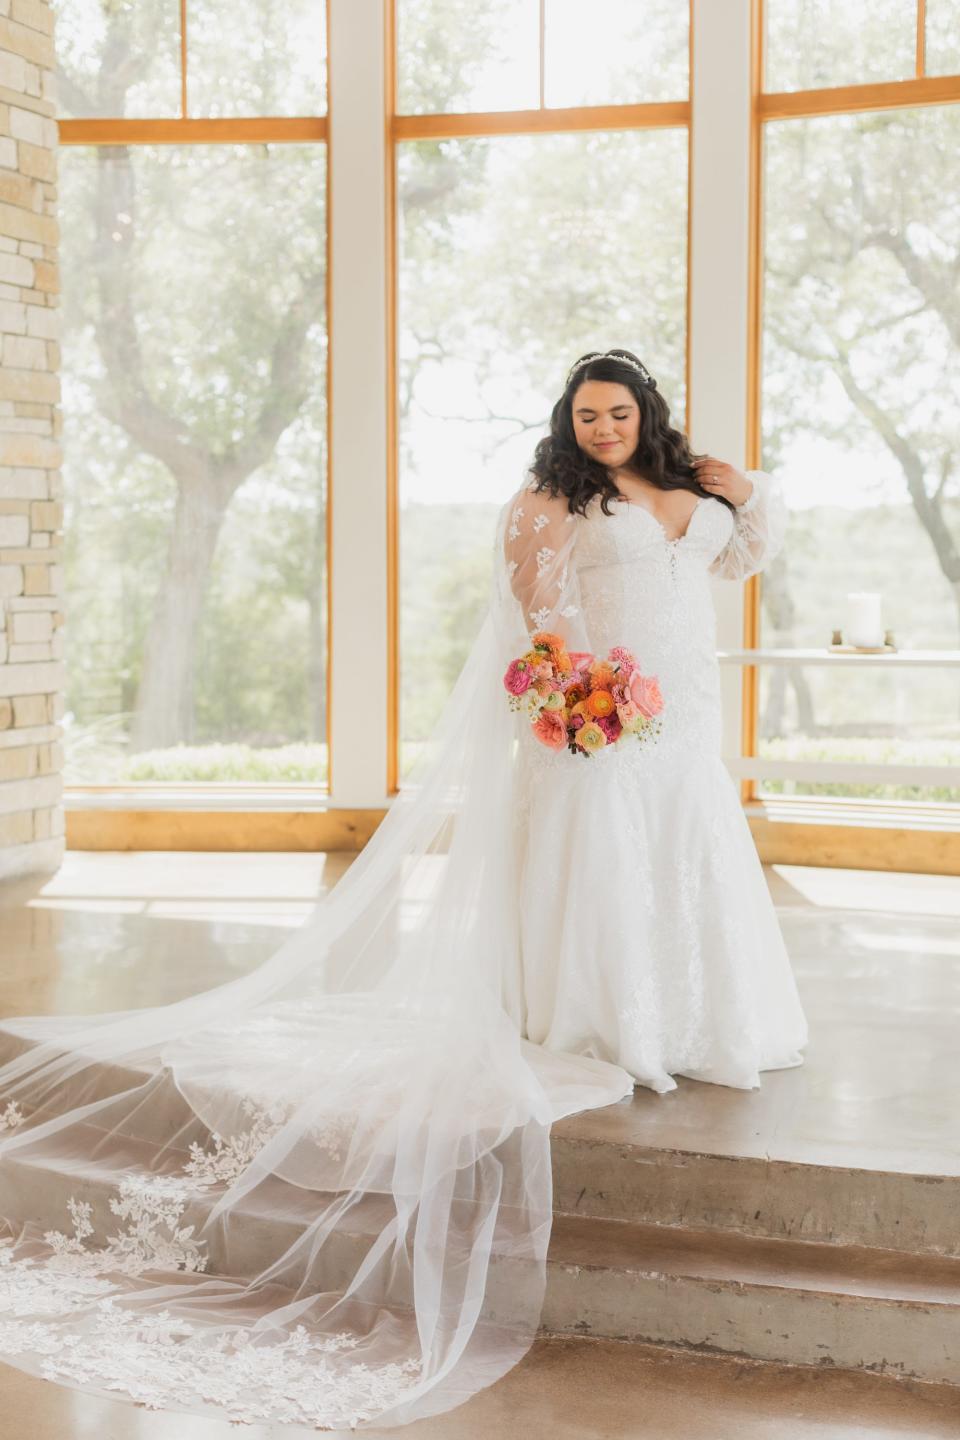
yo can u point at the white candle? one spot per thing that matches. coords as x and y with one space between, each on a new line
864 623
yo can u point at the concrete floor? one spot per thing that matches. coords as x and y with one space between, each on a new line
877 957
564 1390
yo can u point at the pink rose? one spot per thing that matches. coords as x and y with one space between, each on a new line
550 729
518 677
580 659
645 693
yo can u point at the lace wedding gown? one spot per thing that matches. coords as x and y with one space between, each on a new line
649 936
320 1194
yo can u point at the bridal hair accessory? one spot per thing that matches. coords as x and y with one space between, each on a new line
575 700
642 370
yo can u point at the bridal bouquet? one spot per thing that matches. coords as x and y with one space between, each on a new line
579 701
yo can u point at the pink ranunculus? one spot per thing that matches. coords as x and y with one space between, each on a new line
628 711
550 729
611 727
645 693
518 677
620 694
576 721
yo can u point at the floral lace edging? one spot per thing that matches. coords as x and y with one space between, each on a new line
155 1358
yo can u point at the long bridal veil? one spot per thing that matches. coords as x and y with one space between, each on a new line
320 1193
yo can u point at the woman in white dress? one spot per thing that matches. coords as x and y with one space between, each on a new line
659 948
320 1194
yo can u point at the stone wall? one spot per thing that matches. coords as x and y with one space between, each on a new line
31 509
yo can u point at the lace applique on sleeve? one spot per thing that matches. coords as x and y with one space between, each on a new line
759 530
538 550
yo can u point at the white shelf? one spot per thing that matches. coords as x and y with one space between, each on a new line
949 659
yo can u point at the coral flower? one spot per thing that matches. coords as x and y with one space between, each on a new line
600 702
581 659
602 674
591 737
645 693
554 643
550 730
518 677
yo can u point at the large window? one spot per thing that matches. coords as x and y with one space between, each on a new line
516 253
194 371
861 401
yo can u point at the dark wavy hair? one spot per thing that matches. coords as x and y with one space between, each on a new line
663 455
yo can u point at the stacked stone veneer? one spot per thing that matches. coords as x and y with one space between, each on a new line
31 510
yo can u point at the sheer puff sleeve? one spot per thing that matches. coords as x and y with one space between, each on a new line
539 536
759 530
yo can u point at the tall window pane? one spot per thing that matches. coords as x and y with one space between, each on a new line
861 391
516 255
811 44
458 56
118 60
613 53
255 58
942 37
194 412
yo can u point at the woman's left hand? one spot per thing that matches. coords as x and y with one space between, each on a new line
722 479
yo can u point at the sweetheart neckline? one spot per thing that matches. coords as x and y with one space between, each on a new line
670 540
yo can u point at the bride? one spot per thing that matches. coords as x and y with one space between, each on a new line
659 947
321 1194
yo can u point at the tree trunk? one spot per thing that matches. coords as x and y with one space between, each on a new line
164 709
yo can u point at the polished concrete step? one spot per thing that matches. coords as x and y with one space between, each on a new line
796 1302
603 1168
600 1173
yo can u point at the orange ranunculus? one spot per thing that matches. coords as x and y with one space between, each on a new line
600 702
574 695
563 662
554 643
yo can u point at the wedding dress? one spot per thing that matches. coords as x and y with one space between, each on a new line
320 1194
659 946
